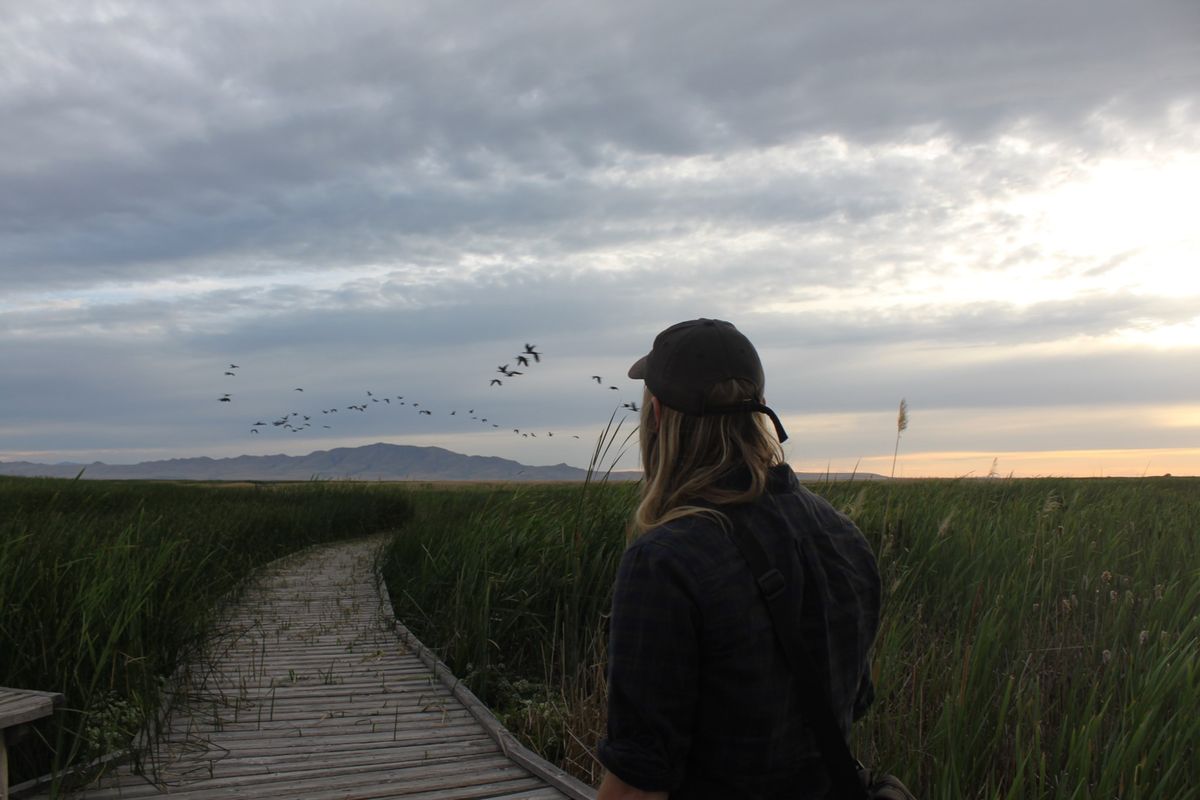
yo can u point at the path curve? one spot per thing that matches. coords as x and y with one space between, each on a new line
307 690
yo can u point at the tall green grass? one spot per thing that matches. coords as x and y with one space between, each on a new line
105 587
1040 637
510 586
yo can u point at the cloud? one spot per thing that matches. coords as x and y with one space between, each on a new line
967 206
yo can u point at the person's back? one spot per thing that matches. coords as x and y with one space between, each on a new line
702 703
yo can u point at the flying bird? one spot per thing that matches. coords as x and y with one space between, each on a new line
234 374
596 378
615 389
298 389
529 350
496 382
254 430
522 360
234 366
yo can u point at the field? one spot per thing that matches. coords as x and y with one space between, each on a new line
1040 637
105 587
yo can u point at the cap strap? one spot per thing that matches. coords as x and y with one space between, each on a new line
748 406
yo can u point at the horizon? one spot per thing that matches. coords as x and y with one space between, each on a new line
985 212
992 473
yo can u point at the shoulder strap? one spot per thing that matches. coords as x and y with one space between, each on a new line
843 768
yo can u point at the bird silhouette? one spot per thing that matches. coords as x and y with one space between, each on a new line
522 360
615 389
225 399
234 374
298 389
529 350
234 366
254 430
597 379
496 382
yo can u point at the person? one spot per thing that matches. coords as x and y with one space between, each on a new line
701 703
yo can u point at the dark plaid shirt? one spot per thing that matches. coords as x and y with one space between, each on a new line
701 701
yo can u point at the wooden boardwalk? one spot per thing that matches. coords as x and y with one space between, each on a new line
310 690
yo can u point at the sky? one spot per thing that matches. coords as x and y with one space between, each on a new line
987 210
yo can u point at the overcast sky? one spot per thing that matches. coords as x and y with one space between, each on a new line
987 209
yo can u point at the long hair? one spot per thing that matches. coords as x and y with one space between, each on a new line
685 458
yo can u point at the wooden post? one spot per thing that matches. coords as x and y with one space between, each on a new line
3 766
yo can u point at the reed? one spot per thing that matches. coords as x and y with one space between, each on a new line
106 588
1040 637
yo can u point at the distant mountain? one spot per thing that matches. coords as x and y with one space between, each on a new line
373 462
387 462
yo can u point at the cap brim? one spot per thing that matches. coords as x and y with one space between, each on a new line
638 370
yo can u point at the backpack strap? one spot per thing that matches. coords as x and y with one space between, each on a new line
843 767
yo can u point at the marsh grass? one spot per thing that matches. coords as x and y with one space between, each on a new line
1040 637
106 587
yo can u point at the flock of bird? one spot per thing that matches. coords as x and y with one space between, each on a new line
295 421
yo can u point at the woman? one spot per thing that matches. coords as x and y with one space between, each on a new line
701 701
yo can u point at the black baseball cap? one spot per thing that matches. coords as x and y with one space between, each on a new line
689 358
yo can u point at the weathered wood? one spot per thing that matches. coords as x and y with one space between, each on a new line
18 706
305 690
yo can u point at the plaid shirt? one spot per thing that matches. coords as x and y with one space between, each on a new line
701 701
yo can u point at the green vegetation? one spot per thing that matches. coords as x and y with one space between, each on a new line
1040 637
105 588
509 586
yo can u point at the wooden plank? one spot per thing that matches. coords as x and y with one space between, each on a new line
18 706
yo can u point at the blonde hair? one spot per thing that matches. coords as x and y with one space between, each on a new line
684 457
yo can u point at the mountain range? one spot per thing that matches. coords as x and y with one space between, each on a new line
373 462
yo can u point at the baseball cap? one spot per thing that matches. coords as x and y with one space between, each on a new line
689 358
